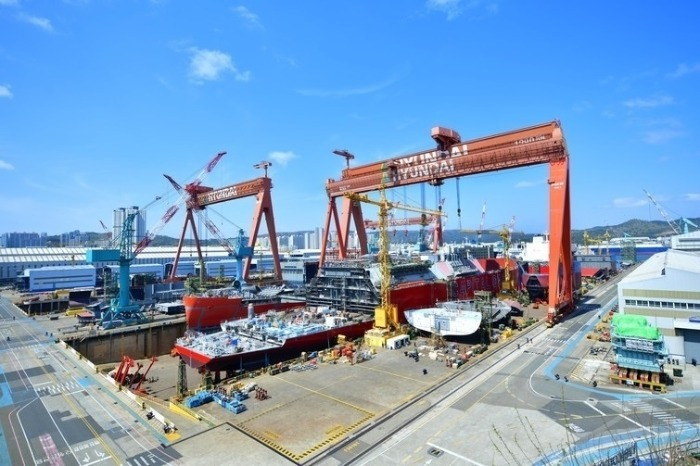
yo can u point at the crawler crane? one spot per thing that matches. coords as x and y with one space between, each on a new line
386 322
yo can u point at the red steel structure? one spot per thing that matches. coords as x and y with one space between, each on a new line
199 197
453 158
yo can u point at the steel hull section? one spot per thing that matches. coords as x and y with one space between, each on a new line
443 322
412 296
291 348
209 311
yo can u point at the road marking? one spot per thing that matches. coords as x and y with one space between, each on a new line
638 424
673 403
456 455
588 403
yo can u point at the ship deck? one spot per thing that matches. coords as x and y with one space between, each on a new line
309 407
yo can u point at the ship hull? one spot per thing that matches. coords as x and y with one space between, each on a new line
291 348
202 312
456 318
426 295
444 323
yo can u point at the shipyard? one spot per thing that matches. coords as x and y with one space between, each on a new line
428 233
325 372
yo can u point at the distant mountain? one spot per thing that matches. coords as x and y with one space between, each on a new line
634 227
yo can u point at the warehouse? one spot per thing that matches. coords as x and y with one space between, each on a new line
666 290
59 277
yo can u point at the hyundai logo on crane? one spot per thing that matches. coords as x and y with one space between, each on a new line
219 195
434 164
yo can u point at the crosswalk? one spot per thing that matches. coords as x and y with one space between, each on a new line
664 418
555 340
146 459
57 388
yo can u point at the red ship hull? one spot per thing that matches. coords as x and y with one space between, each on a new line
292 348
426 294
203 312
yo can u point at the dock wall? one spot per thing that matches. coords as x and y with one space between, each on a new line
138 342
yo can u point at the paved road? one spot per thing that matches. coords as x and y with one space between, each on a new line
510 409
53 411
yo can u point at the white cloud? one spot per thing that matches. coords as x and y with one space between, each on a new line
627 202
691 197
454 8
9 2
209 65
661 135
450 7
282 158
651 102
347 92
683 69
6 165
5 91
41 23
251 18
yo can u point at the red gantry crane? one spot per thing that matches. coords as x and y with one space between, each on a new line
198 197
454 158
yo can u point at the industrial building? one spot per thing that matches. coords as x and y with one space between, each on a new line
57 278
18 265
686 241
666 290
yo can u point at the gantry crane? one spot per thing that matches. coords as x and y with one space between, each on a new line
198 197
385 315
453 158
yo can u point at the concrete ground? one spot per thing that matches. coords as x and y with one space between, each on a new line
311 408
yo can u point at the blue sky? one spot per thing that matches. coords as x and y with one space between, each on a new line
98 99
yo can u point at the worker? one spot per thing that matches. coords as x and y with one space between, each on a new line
425 371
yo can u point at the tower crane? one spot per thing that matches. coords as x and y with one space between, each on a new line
385 315
424 220
121 310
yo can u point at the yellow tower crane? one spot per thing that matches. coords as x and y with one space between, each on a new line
386 314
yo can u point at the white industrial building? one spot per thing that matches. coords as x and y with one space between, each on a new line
57 278
686 241
666 290
15 263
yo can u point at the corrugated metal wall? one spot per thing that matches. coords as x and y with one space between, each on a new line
692 345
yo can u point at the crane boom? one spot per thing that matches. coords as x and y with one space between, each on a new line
385 204
663 213
423 220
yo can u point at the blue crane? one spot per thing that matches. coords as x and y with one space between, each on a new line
122 311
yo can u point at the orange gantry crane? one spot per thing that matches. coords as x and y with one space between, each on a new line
454 158
198 197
